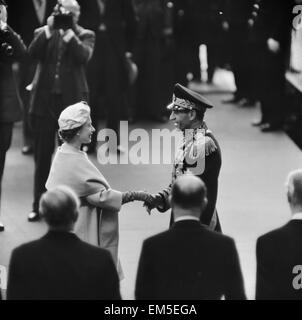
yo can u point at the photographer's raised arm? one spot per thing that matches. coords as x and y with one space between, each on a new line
38 47
80 46
15 41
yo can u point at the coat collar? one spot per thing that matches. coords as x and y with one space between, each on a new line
60 235
187 224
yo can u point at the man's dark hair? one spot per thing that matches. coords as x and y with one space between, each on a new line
59 207
200 115
3 3
187 197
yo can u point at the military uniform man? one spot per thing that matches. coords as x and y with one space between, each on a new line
199 154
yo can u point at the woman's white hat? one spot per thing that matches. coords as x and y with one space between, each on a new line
74 116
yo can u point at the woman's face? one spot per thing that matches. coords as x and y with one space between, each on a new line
86 132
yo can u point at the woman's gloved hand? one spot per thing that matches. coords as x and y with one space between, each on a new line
130 196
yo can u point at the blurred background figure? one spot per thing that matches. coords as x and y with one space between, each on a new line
186 33
59 265
24 17
114 23
236 17
62 49
195 23
12 49
207 23
148 55
271 26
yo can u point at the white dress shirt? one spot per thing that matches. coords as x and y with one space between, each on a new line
185 218
40 7
297 216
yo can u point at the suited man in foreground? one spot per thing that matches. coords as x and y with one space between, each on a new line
189 261
279 252
60 265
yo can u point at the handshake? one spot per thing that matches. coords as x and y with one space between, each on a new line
151 201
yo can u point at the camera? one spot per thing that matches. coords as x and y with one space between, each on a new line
5 48
63 19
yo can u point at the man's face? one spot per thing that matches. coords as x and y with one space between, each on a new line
182 120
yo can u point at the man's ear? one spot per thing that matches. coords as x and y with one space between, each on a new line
204 203
192 115
289 196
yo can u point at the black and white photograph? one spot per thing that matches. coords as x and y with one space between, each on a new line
150 150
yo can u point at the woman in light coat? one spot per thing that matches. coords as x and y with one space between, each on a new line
98 218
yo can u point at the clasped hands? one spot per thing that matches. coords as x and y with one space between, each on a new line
151 201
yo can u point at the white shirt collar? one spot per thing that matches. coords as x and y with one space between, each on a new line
188 217
297 216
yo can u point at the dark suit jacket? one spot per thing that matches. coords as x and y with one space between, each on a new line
278 252
75 56
10 110
274 20
119 18
196 20
23 18
61 266
189 262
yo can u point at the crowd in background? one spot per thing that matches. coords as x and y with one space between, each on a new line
163 38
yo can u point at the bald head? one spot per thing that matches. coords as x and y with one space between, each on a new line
294 188
59 207
188 193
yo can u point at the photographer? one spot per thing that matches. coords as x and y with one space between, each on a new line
12 49
62 49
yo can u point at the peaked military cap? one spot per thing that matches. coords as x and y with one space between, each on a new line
186 99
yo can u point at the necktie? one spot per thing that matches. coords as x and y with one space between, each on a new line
40 6
101 4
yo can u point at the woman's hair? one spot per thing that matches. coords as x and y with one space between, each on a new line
68 135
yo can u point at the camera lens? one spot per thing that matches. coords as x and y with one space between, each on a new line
7 49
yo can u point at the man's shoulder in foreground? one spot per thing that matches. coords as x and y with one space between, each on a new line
195 229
